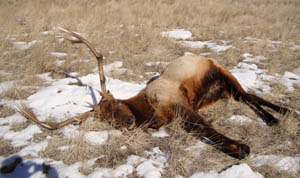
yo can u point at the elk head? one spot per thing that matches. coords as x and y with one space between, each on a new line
110 109
116 112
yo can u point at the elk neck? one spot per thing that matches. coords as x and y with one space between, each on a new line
140 107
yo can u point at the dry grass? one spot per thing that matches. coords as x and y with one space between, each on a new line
6 111
6 149
17 93
129 31
270 172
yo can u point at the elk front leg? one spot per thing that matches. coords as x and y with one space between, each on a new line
200 128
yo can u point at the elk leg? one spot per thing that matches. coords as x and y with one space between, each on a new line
196 125
234 88
255 102
263 114
263 102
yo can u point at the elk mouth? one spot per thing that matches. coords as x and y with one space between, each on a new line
130 123
132 126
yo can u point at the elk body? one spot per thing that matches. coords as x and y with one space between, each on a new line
188 84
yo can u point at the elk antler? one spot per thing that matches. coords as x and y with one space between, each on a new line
98 56
28 114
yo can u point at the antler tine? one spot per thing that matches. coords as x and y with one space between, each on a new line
98 56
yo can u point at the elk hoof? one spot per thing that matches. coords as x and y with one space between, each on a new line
245 151
272 122
238 151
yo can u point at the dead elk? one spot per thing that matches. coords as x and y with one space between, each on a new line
188 84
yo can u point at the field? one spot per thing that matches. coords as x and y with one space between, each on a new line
257 40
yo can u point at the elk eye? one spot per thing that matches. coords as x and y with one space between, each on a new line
129 120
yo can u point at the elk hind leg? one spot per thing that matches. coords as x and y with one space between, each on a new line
263 102
255 103
234 88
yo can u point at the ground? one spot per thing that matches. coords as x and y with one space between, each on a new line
257 41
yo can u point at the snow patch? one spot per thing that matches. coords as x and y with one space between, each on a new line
16 118
289 80
112 66
96 138
250 76
236 171
63 148
283 163
4 86
22 137
208 44
237 119
71 132
153 167
161 133
295 47
178 34
49 32
33 149
149 64
23 45
197 147
188 54
58 54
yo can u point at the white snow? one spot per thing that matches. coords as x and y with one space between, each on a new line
22 137
152 167
238 119
161 133
283 163
63 148
295 47
49 32
250 76
23 45
149 64
4 86
33 149
67 171
71 132
112 66
206 44
96 138
115 68
59 54
60 100
290 80
115 133
188 54
16 118
178 34
236 171
197 147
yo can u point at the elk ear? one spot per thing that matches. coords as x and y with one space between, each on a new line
105 96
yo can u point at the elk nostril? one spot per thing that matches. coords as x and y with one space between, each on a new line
129 120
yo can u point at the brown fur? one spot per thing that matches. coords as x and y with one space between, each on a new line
188 84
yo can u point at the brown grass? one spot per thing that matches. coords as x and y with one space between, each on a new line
6 111
6 149
129 31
